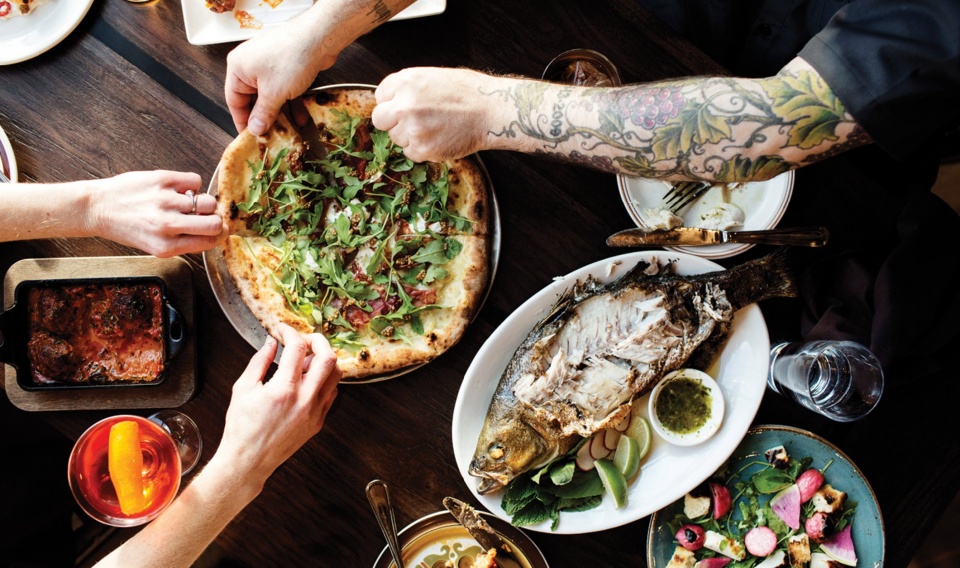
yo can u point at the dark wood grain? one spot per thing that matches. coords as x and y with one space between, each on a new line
126 91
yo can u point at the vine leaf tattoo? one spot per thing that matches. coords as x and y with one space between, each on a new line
806 101
695 126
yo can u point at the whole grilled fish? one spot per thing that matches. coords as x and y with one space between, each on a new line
604 345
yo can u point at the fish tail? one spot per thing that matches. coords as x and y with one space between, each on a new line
771 276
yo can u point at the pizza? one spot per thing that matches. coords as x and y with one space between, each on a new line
334 230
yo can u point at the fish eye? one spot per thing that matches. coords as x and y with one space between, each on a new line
495 451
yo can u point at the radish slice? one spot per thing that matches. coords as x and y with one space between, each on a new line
786 505
584 459
760 541
840 547
610 439
713 562
819 527
721 499
691 537
597 450
808 482
623 424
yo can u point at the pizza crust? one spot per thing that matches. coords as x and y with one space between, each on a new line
236 166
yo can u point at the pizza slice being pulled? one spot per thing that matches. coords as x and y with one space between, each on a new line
341 234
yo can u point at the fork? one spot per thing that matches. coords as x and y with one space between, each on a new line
684 193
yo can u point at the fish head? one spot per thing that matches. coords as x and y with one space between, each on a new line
505 450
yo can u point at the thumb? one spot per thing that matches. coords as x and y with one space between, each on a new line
264 114
258 366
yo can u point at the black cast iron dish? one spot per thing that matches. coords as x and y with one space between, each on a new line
15 330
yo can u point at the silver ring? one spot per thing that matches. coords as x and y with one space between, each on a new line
189 193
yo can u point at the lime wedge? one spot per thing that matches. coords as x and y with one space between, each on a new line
639 430
627 456
613 481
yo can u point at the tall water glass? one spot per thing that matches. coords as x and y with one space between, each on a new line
841 380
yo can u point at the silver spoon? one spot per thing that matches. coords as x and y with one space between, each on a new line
379 498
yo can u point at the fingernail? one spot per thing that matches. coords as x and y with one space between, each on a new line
257 126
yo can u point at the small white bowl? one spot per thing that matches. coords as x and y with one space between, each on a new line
704 432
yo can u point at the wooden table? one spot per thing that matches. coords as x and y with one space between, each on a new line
126 91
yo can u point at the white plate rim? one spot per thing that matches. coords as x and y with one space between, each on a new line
785 181
66 15
204 27
9 159
740 370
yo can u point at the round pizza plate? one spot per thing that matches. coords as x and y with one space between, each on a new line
249 327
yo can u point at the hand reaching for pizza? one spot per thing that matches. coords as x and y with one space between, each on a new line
437 114
153 212
280 63
263 74
268 421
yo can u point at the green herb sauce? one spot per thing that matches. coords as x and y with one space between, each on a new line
684 405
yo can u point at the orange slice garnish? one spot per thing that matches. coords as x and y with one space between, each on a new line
125 463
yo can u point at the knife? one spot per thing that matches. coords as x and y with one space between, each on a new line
692 236
482 532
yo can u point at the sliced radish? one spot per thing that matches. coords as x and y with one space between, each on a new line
808 482
840 547
713 562
691 537
760 541
610 438
721 499
786 504
623 424
584 459
597 450
819 527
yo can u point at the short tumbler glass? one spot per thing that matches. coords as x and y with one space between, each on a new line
841 380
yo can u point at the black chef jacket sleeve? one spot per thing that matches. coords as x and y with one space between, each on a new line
895 65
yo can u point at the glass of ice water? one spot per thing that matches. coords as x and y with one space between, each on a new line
841 380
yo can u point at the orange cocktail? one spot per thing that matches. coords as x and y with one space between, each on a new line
90 480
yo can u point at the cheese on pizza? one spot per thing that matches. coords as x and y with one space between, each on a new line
344 235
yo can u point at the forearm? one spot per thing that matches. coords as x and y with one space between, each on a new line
40 211
335 24
710 128
179 535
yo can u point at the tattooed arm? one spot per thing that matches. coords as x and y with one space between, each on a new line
279 64
711 128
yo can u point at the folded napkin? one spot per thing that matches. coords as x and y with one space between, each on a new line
907 309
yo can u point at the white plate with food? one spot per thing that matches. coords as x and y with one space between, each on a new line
8 162
47 24
761 203
668 471
249 17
